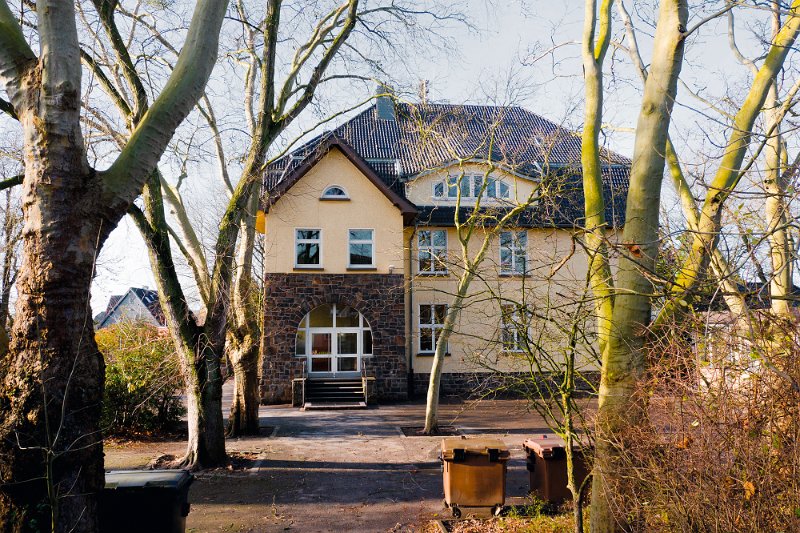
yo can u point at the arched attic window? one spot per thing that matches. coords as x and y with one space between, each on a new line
335 192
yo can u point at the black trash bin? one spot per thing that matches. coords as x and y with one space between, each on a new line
137 501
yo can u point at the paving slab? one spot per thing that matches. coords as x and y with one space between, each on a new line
340 471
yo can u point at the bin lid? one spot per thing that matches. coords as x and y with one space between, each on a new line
136 479
546 444
477 446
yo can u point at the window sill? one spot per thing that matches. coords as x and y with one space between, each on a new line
362 268
430 354
512 275
433 274
308 267
332 199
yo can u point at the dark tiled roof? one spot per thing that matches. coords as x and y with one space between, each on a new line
113 301
150 299
424 137
756 296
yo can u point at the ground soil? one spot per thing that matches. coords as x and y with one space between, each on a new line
342 471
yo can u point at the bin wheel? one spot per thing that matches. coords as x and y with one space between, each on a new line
456 512
497 509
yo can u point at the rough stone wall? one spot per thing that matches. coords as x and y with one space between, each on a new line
288 297
471 385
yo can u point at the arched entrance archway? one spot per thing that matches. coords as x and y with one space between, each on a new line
334 339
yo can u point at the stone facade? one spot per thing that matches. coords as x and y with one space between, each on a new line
289 297
473 385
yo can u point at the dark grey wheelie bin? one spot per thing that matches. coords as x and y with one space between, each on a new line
152 501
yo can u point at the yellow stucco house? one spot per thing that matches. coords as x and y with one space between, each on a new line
362 255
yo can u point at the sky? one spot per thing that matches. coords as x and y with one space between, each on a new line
526 53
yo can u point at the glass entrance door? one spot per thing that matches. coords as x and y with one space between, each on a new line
334 339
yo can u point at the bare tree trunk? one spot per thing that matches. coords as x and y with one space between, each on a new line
51 453
776 212
200 362
432 403
623 359
206 443
243 351
244 332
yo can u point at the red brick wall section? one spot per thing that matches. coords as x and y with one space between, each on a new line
288 297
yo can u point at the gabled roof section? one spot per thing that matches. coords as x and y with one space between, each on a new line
425 137
300 168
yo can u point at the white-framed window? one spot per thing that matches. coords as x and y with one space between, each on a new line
513 252
471 186
335 192
512 328
431 321
308 248
361 248
432 249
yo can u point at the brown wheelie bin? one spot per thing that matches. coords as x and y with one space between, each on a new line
474 473
547 465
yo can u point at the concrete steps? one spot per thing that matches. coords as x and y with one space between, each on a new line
334 394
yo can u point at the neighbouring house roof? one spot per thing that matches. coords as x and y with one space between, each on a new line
757 295
419 138
148 297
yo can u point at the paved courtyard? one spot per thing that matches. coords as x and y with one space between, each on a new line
339 470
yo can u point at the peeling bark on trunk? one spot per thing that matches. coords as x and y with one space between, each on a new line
52 377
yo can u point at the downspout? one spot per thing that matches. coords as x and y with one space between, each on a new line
410 304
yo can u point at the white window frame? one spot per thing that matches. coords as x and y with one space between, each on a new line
326 196
435 327
511 323
514 249
297 241
371 242
432 248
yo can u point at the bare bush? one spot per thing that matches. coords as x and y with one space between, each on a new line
720 450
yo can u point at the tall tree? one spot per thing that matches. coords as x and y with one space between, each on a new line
730 170
51 456
622 322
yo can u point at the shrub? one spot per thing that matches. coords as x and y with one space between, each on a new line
720 450
143 380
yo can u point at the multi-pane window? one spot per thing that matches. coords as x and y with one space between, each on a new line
513 252
512 328
432 245
361 248
308 247
471 187
431 321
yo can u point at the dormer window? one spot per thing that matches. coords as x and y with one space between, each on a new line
335 192
470 187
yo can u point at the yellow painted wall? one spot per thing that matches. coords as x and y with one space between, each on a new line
301 208
475 344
